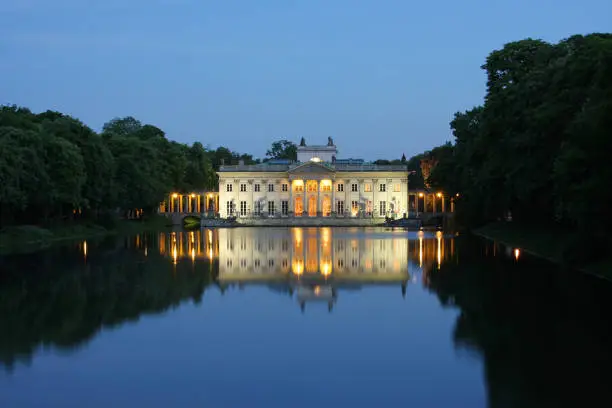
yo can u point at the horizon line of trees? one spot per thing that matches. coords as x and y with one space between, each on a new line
538 148
53 166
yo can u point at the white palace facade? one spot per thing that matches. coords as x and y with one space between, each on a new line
316 185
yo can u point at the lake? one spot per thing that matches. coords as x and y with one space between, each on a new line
300 317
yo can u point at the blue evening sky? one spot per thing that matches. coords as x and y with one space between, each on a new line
381 77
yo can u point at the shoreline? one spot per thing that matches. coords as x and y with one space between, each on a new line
547 247
25 239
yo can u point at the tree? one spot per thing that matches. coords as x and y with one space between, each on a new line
121 126
283 149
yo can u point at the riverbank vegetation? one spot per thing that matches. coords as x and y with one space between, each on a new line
56 171
536 151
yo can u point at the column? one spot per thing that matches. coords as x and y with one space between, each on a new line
433 202
304 202
180 197
333 202
170 202
318 198
375 208
443 204
199 203
290 209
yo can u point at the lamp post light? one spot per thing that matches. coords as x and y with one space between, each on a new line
421 195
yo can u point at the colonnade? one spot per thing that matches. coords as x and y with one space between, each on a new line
422 201
201 202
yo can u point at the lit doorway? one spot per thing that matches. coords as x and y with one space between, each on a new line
299 206
312 206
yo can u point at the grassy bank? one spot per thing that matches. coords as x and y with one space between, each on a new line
545 243
28 238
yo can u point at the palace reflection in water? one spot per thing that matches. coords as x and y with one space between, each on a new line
543 336
313 262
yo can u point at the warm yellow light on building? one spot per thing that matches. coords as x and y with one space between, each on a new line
315 159
326 268
421 195
439 195
174 195
193 195
297 268
193 254
517 253
85 249
174 254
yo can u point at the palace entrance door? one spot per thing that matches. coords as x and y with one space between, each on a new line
312 206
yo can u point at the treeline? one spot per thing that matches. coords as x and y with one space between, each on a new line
54 167
538 149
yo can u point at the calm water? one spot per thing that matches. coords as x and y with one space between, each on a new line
300 318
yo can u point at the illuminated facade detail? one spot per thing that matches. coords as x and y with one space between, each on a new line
201 202
319 185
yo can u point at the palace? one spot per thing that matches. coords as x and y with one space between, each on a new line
316 185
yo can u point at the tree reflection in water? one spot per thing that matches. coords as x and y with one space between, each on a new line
544 335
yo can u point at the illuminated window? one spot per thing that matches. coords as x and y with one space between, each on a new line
354 206
367 187
229 187
397 187
326 187
257 187
299 188
315 159
354 188
383 187
242 187
340 187
285 187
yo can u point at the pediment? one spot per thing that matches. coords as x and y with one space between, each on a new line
310 168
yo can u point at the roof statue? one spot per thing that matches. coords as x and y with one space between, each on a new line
330 141
303 142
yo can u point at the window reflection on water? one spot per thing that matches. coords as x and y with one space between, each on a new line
314 262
